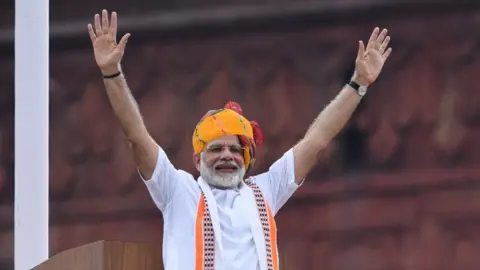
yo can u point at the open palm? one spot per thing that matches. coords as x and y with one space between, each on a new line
370 60
108 53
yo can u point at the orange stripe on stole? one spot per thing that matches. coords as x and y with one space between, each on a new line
273 236
199 250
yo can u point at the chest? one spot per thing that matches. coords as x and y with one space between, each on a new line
234 211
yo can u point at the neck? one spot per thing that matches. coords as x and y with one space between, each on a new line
223 187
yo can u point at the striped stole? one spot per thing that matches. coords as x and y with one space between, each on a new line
205 236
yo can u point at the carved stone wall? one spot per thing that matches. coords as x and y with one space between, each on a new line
67 10
398 189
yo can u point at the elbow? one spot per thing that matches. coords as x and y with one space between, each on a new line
136 136
316 144
310 150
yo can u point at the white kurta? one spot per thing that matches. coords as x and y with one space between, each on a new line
240 242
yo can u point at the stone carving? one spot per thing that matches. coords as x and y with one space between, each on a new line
449 134
381 197
282 80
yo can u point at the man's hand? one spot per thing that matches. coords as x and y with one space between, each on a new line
370 61
108 53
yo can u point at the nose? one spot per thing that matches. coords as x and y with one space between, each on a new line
226 154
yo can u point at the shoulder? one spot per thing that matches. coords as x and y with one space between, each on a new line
186 196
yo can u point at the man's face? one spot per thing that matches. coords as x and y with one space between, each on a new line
221 164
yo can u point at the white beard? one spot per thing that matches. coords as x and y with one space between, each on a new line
221 180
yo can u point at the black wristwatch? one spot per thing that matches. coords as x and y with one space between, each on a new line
361 89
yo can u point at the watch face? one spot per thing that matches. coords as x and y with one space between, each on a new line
362 90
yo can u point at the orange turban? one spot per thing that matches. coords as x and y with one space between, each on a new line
227 122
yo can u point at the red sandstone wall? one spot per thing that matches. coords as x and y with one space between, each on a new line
408 201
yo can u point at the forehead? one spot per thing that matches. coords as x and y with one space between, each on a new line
229 140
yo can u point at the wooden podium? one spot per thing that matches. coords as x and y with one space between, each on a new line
107 255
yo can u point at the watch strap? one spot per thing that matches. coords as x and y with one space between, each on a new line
354 85
361 90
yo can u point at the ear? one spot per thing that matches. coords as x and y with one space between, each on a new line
196 161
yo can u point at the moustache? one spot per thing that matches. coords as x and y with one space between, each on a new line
230 165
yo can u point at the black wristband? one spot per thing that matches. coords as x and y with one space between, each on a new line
354 85
112 76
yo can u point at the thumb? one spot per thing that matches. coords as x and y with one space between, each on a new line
123 42
361 50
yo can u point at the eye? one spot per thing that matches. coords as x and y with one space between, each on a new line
215 149
236 149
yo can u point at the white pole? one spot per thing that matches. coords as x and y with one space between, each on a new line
31 132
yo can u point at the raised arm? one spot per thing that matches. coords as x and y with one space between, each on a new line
332 119
108 55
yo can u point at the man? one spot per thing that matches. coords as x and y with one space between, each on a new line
223 221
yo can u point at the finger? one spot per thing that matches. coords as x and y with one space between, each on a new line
105 23
91 33
123 42
361 50
380 39
384 45
387 53
113 26
98 26
373 38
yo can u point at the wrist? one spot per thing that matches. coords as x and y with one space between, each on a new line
359 80
109 71
359 85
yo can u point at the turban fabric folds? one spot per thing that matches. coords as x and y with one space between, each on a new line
228 121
